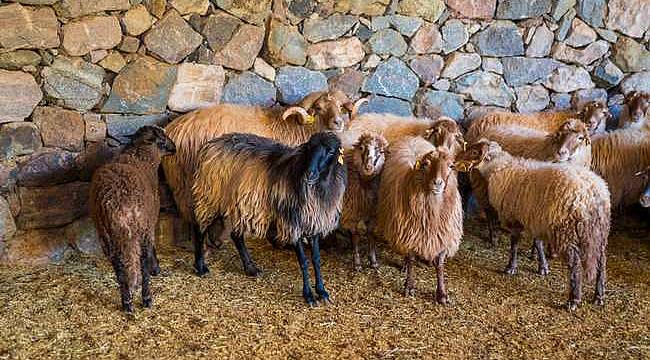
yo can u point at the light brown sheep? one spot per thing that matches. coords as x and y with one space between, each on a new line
567 206
636 111
420 210
391 127
365 163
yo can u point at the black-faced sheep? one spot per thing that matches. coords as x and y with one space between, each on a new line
636 112
262 186
365 162
565 205
125 205
294 125
420 211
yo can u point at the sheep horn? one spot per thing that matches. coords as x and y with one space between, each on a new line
296 110
356 106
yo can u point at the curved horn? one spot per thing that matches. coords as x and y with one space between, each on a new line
356 106
296 110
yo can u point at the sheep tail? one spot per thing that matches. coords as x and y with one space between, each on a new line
594 234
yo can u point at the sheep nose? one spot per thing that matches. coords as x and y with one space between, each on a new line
645 201
439 183
563 153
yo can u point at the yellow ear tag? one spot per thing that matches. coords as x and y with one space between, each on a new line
340 156
418 165
464 145
311 119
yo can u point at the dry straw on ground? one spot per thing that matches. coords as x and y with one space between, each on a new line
71 311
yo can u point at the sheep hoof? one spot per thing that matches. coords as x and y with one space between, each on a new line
374 265
147 302
357 267
253 271
442 299
543 271
409 291
572 305
128 308
202 270
325 300
511 270
155 271
309 299
599 301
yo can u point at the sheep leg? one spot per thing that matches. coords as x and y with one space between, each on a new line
125 292
441 292
145 266
511 269
493 225
302 262
599 296
575 277
372 251
154 267
250 268
409 285
199 253
315 261
355 252
542 263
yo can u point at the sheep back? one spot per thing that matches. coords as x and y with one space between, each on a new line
548 121
391 127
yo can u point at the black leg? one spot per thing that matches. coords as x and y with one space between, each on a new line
154 268
601 277
199 252
145 265
441 292
249 265
542 263
125 292
315 260
511 269
372 251
409 285
355 252
302 262
575 277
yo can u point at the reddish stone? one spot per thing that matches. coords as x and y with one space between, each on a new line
46 207
480 9
60 127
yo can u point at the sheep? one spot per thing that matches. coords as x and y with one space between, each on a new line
420 211
365 163
636 111
391 127
566 205
124 204
262 186
293 125
445 132
595 115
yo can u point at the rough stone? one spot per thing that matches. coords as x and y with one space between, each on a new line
460 63
338 53
592 11
387 42
335 26
263 69
565 25
580 34
631 17
95 155
294 83
372 61
486 88
75 83
171 38
427 67
137 20
607 74
219 28
156 7
7 224
561 101
473 9
142 87
60 127
18 59
91 33
568 79
582 97
254 12
47 167
285 45
18 138
130 44
586 56
406 25
636 82
386 105
98 55
427 40
501 38
493 65
531 98
196 86
19 94
520 70
242 49
77 8
454 35
38 247
113 62
608 35
8 172
392 78
82 236
630 56
517 10
26 27
46 207
349 82
185 7
362 7
429 10
560 7
119 126
250 89
540 45
433 104
95 127
363 32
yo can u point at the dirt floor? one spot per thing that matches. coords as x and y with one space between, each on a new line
71 311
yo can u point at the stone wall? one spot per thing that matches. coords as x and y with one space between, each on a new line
76 76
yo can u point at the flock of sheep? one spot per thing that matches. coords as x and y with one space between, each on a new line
295 175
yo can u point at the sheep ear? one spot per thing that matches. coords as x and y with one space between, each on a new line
354 111
309 100
418 165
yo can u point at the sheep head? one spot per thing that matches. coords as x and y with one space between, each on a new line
325 109
571 138
153 135
476 154
324 156
446 133
434 170
369 154
638 108
595 116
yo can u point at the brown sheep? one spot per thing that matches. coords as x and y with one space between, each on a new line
445 132
365 163
391 127
293 125
594 115
420 210
636 111
261 186
565 205
124 203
